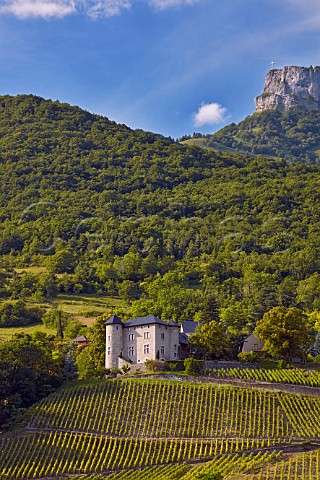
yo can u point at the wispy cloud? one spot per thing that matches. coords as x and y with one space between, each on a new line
209 114
162 4
105 8
308 10
38 8
93 8
305 5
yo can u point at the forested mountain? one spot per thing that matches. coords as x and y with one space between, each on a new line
293 135
112 210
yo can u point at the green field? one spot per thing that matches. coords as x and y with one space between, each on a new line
154 429
86 307
83 307
6 333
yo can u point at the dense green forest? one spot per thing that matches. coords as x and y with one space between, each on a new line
110 210
293 135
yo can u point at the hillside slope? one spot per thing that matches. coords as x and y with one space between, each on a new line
293 135
104 205
164 427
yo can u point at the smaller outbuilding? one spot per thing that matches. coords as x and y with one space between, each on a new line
252 344
81 341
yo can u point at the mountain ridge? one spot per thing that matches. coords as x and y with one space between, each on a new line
286 123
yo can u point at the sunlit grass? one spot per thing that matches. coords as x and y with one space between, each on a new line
83 307
7 333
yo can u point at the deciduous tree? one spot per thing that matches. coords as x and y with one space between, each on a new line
286 332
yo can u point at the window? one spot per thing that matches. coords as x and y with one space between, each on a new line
174 354
146 335
131 351
109 351
162 350
146 349
131 337
109 338
162 336
117 328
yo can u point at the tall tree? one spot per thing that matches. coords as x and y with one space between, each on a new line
211 310
209 340
286 332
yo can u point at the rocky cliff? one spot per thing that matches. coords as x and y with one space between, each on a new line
290 87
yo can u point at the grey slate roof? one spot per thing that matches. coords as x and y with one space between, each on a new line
149 320
188 327
114 320
183 338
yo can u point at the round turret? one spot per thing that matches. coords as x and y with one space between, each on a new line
114 341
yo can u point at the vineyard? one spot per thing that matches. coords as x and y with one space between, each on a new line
293 376
153 429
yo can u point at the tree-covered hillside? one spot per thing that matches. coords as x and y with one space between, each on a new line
114 211
293 135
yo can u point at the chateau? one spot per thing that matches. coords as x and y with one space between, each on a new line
141 339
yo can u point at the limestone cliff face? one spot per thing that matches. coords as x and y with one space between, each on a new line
290 87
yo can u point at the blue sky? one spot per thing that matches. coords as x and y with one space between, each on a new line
168 66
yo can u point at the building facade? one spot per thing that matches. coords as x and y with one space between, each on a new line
252 344
140 339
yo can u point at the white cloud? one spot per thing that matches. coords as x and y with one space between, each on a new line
209 114
93 8
38 8
105 8
162 4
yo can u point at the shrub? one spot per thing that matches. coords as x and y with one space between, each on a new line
174 365
155 365
193 366
249 357
126 368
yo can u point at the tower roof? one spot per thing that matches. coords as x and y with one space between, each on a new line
114 320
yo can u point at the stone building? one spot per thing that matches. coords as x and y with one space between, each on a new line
252 344
140 339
